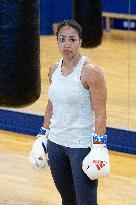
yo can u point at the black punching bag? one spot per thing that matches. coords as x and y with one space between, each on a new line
20 82
88 14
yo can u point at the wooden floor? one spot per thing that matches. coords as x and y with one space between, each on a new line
21 185
117 58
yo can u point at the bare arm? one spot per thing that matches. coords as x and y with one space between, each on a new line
98 92
48 115
48 111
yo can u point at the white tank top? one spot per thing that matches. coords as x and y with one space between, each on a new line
72 121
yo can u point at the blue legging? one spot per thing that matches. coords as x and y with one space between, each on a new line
73 185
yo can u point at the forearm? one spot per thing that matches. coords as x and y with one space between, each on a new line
100 125
48 115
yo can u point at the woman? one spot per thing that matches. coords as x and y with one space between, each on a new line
76 109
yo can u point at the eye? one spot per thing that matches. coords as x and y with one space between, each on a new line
72 40
61 39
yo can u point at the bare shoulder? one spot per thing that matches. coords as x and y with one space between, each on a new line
92 73
52 69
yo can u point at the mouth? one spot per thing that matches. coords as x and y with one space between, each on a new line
67 52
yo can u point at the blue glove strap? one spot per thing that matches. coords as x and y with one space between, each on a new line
99 139
43 145
42 130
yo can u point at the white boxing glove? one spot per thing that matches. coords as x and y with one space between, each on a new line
96 164
38 154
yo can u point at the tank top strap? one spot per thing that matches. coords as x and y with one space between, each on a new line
80 65
58 69
59 65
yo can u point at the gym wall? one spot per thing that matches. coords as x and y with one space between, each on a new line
51 12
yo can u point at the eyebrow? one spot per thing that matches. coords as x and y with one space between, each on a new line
69 36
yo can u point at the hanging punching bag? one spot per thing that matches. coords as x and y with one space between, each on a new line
19 52
88 14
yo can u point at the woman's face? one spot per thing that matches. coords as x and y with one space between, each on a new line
68 42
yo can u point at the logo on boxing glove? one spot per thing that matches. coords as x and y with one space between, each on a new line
99 164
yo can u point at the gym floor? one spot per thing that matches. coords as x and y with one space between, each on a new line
21 185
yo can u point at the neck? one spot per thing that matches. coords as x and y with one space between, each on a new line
72 62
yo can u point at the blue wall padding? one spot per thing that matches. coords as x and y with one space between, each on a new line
133 7
52 11
118 140
121 140
20 122
45 17
119 6
61 10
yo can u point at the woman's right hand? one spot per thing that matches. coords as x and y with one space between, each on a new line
38 154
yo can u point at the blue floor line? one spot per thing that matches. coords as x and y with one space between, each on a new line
118 140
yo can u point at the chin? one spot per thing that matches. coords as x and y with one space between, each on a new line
68 55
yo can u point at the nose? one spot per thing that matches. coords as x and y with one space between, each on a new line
67 44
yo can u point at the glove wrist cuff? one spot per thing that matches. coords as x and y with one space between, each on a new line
43 132
98 139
